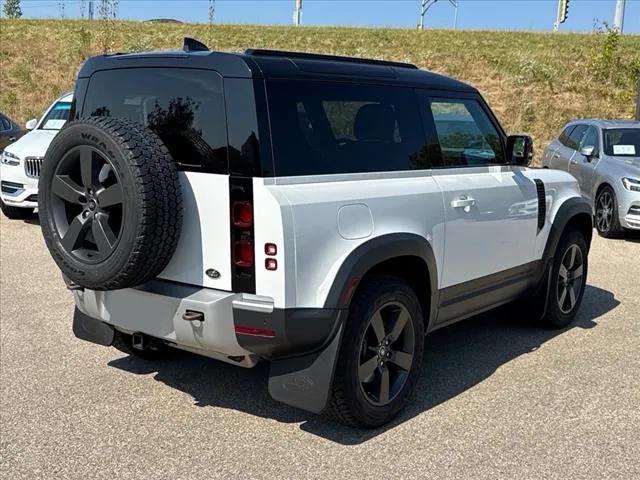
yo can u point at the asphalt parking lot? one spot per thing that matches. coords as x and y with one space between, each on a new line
497 399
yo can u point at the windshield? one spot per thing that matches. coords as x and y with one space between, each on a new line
622 142
56 117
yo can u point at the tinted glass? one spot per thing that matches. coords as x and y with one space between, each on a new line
184 107
56 117
564 136
325 128
4 124
622 142
576 136
467 136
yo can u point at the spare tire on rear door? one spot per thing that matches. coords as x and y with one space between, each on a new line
110 203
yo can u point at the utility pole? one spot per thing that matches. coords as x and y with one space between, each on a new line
90 10
297 13
427 4
618 18
638 102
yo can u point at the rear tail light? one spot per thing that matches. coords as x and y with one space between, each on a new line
243 253
242 214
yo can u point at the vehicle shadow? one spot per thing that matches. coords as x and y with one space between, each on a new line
456 358
632 236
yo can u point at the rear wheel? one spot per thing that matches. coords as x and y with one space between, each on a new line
568 280
15 213
381 354
607 221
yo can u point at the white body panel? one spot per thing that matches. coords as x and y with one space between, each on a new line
320 234
205 240
494 233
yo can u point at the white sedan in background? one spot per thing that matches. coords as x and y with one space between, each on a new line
21 161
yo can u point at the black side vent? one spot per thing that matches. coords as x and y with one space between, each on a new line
542 203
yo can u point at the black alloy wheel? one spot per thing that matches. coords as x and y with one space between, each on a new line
87 204
386 354
570 279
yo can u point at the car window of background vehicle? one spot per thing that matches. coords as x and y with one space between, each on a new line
622 142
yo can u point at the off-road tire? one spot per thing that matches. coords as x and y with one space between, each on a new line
15 213
347 403
554 317
152 202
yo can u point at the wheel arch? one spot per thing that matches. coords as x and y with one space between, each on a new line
406 255
576 213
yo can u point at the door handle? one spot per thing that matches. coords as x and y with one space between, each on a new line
463 201
12 139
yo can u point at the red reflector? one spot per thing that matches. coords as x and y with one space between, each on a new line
242 214
271 264
256 332
348 293
270 249
243 253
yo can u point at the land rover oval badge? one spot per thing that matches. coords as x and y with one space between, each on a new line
213 273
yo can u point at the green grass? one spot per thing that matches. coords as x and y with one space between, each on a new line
535 82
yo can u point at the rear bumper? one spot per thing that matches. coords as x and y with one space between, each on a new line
236 328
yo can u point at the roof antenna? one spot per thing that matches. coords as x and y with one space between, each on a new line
193 45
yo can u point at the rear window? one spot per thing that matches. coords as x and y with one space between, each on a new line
622 142
185 107
330 128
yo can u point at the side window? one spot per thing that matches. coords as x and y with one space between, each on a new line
328 128
4 124
466 135
591 140
576 136
564 136
185 107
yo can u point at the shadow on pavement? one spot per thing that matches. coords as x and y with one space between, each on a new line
632 236
456 358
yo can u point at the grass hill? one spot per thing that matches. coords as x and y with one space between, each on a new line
534 81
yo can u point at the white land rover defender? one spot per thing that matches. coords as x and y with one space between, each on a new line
319 212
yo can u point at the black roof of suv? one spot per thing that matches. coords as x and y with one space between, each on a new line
279 64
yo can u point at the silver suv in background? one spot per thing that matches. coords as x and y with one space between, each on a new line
604 156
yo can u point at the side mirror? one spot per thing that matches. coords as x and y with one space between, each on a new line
588 151
31 124
519 150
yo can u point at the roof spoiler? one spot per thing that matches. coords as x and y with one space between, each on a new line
193 45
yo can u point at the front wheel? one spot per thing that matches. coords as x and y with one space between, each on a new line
568 280
381 354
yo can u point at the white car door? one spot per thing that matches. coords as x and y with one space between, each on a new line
490 207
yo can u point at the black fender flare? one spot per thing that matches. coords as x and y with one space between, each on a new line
375 251
568 210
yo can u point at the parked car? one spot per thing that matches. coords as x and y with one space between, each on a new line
10 131
20 163
322 213
604 155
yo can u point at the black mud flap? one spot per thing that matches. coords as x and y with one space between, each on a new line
91 329
305 381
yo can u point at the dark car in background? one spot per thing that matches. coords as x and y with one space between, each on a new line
10 131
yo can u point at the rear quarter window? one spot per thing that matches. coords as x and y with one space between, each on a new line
331 127
185 107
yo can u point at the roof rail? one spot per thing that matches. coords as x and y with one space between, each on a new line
257 52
